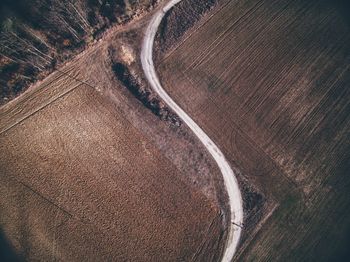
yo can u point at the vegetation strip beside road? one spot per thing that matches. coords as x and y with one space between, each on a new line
234 194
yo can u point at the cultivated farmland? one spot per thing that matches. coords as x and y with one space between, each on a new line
268 82
80 182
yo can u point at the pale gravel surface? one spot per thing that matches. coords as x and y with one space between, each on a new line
234 194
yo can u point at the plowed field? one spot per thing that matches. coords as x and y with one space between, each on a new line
268 81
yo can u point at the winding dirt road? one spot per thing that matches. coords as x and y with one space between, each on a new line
234 194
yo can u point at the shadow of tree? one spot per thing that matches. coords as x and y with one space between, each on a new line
7 252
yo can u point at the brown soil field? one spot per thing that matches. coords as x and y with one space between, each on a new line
268 82
70 188
87 172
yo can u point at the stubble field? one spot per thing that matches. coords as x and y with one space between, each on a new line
80 182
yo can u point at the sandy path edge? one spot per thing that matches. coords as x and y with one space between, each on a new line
234 194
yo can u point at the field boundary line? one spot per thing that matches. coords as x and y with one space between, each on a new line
40 108
40 195
80 82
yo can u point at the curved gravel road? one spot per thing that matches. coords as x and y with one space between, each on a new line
234 194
